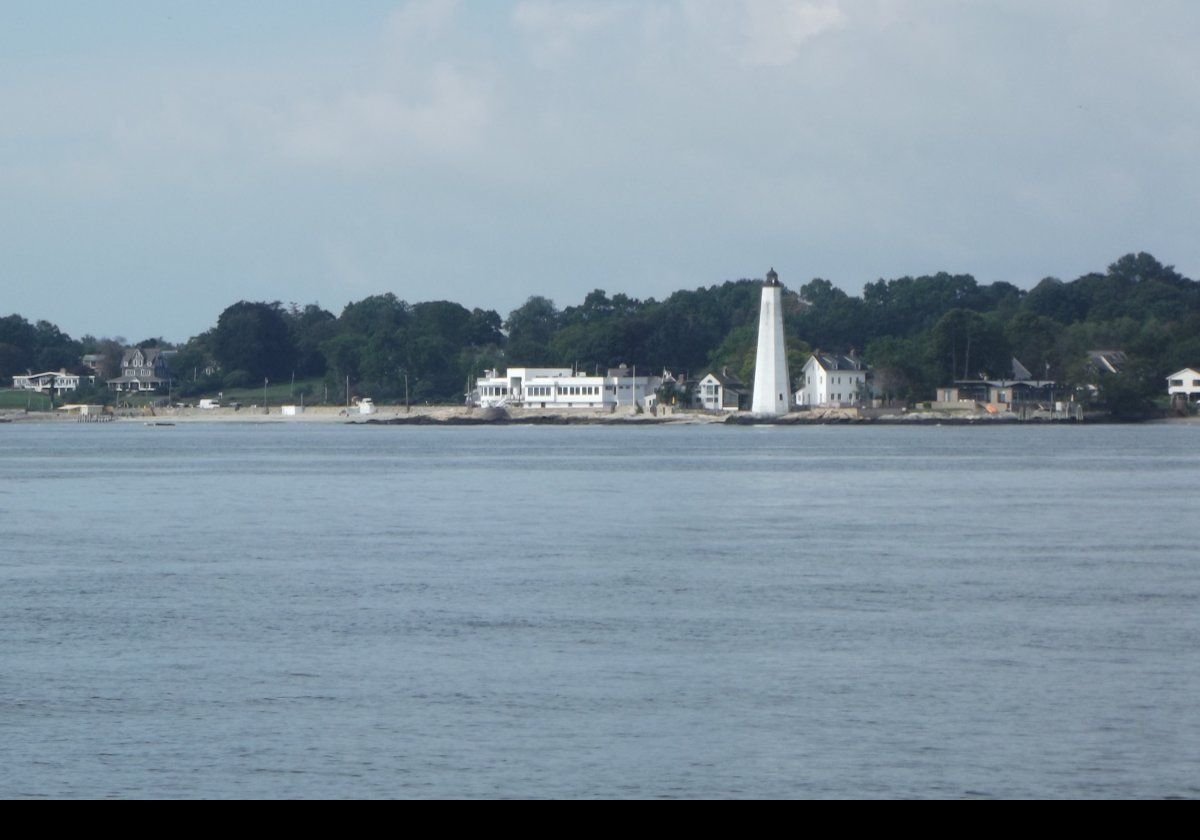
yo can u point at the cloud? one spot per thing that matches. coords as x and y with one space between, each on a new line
553 28
421 19
763 32
409 102
436 113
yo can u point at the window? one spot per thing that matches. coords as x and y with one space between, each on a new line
1178 383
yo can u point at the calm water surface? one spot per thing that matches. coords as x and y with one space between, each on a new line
310 611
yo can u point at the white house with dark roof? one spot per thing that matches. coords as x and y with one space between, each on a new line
833 380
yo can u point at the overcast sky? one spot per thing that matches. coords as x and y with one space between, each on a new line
162 159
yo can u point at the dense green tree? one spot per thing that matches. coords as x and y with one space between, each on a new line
485 328
966 345
530 330
832 319
36 347
1129 395
254 338
1036 343
1052 298
309 327
18 346
55 350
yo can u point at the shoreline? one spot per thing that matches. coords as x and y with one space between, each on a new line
464 416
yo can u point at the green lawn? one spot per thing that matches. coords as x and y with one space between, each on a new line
11 399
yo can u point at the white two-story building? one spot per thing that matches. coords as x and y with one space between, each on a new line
832 380
563 388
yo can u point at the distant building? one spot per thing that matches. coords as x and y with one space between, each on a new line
1184 386
57 382
563 388
833 380
142 369
721 391
1098 365
1106 361
1021 391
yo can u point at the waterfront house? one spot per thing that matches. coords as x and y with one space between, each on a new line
833 380
57 382
721 391
142 369
563 388
1020 391
1184 386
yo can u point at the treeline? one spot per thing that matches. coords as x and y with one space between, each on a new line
916 332
377 345
39 347
919 333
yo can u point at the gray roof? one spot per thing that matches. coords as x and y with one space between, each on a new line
839 361
1107 361
149 354
726 379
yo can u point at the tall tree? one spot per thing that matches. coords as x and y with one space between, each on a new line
530 329
254 338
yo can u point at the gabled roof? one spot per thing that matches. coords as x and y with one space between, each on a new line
1019 371
725 379
1186 372
149 356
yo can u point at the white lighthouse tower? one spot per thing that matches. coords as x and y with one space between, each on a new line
772 386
